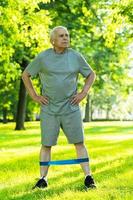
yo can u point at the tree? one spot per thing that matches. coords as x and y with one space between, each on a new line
24 33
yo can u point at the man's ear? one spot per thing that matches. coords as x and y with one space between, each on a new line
52 42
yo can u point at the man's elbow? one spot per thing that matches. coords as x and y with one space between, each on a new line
93 75
25 74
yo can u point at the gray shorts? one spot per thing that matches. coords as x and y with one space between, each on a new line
71 125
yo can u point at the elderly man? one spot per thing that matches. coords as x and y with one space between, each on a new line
58 68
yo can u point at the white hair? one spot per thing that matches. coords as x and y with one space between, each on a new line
53 31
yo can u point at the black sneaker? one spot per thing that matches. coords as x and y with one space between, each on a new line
89 182
41 183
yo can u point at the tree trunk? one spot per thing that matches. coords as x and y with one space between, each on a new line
107 113
20 116
5 115
91 110
87 110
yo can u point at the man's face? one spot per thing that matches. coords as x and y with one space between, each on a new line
61 38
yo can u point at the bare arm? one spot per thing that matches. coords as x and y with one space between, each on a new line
88 83
29 86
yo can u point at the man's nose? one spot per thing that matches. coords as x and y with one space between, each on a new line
65 37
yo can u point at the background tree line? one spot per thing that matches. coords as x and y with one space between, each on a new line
100 30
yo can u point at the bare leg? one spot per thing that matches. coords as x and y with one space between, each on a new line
82 153
45 155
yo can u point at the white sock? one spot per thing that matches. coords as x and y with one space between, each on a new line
87 175
43 177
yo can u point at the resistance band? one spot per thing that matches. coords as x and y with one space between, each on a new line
65 162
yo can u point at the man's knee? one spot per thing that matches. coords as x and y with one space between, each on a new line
79 145
46 148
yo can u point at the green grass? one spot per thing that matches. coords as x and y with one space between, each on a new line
110 149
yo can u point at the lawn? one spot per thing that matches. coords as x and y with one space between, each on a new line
110 149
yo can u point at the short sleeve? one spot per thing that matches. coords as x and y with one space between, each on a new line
34 67
84 68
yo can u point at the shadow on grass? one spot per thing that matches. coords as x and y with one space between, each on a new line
108 129
24 191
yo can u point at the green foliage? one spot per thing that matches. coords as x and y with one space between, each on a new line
24 33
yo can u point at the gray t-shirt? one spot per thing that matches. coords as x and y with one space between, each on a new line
58 74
